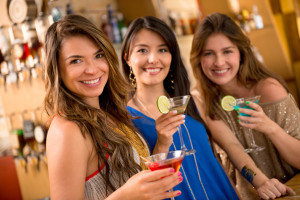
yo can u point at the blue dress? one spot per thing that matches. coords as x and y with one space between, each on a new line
203 176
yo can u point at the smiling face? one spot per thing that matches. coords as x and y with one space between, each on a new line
220 60
149 57
83 68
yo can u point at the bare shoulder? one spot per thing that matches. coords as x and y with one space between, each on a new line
62 130
270 90
68 156
63 137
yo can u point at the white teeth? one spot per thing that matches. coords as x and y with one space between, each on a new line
92 81
221 71
152 70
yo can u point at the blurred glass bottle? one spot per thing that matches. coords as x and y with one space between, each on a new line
257 18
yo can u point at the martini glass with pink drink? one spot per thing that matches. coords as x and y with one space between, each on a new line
172 159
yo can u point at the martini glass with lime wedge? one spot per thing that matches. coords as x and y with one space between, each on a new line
229 103
179 104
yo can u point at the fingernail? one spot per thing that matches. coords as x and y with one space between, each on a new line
237 109
238 116
180 179
182 116
179 173
174 111
247 102
238 120
179 193
172 170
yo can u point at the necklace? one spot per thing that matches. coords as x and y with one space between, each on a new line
144 107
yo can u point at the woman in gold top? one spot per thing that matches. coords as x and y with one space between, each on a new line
93 149
224 64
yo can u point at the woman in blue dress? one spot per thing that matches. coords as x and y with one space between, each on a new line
152 63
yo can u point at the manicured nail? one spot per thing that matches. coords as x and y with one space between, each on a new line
237 109
174 111
179 173
238 116
180 179
179 193
238 120
172 170
247 102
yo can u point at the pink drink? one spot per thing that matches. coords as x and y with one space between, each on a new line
171 163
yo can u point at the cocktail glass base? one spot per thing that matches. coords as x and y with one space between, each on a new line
254 149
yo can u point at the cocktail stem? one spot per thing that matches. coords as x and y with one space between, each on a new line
183 147
253 144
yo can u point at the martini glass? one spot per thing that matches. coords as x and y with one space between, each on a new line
241 103
172 159
179 104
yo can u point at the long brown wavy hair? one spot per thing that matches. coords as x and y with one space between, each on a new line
250 72
60 101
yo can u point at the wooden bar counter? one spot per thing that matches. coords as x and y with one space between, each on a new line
294 183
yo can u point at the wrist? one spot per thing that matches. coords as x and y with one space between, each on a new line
160 148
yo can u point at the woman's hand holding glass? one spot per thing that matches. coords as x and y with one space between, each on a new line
258 121
151 185
166 125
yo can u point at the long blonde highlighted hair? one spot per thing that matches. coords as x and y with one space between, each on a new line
60 101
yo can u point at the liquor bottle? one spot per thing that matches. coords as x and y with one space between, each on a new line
257 18
107 28
112 20
17 142
122 27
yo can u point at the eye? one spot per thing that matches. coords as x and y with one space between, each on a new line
207 53
227 51
75 61
142 51
163 50
100 55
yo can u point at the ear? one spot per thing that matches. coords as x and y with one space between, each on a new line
125 58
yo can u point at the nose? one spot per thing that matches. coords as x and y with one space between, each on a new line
91 67
219 60
153 58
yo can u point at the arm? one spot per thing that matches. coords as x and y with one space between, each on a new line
224 137
287 146
166 126
67 156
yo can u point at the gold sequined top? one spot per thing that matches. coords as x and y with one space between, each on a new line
137 142
287 115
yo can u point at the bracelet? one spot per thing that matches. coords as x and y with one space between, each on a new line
248 174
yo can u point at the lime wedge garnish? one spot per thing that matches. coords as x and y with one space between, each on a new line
163 104
228 102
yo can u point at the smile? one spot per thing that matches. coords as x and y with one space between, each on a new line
221 71
153 70
91 81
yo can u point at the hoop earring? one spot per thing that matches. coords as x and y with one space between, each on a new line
132 78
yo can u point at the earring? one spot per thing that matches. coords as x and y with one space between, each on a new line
132 78
172 80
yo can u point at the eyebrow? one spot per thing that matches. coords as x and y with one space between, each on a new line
225 48
78 56
144 45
